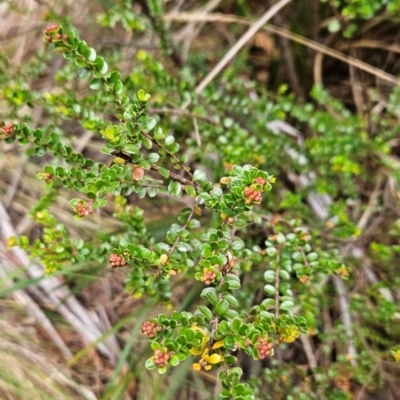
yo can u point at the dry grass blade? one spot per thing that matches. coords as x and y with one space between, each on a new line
25 300
62 300
33 371
255 26
320 48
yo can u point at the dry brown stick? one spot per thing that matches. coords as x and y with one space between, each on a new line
189 31
23 299
320 48
53 373
363 221
61 299
312 361
356 88
255 26
288 58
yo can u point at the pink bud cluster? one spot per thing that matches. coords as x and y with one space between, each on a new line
208 276
116 261
252 195
84 208
45 176
161 358
150 329
50 37
7 129
51 28
264 348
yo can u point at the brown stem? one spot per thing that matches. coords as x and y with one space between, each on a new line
288 58
176 177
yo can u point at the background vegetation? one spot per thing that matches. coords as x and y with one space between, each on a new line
311 98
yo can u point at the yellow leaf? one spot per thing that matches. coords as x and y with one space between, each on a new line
195 352
217 345
196 366
214 359
288 339
118 160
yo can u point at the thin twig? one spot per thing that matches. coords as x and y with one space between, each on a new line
320 48
256 26
288 59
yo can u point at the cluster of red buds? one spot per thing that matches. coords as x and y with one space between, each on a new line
84 208
260 181
208 276
45 176
116 261
50 29
50 37
304 279
150 329
252 195
264 348
7 129
160 358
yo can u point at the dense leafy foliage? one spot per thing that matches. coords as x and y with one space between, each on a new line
264 248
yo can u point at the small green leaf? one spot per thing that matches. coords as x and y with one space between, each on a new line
222 307
99 203
144 164
169 140
23 240
229 342
268 303
269 289
84 73
40 151
83 48
96 84
151 123
232 300
206 312
284 274
114 77
175 188
334 26
183 247
142 96
152 158
190 190
164 172
131 149
286 305
91 55
312 256
101 66
173 361
269 276
118 86
158 133
211 295
199 175
235 324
